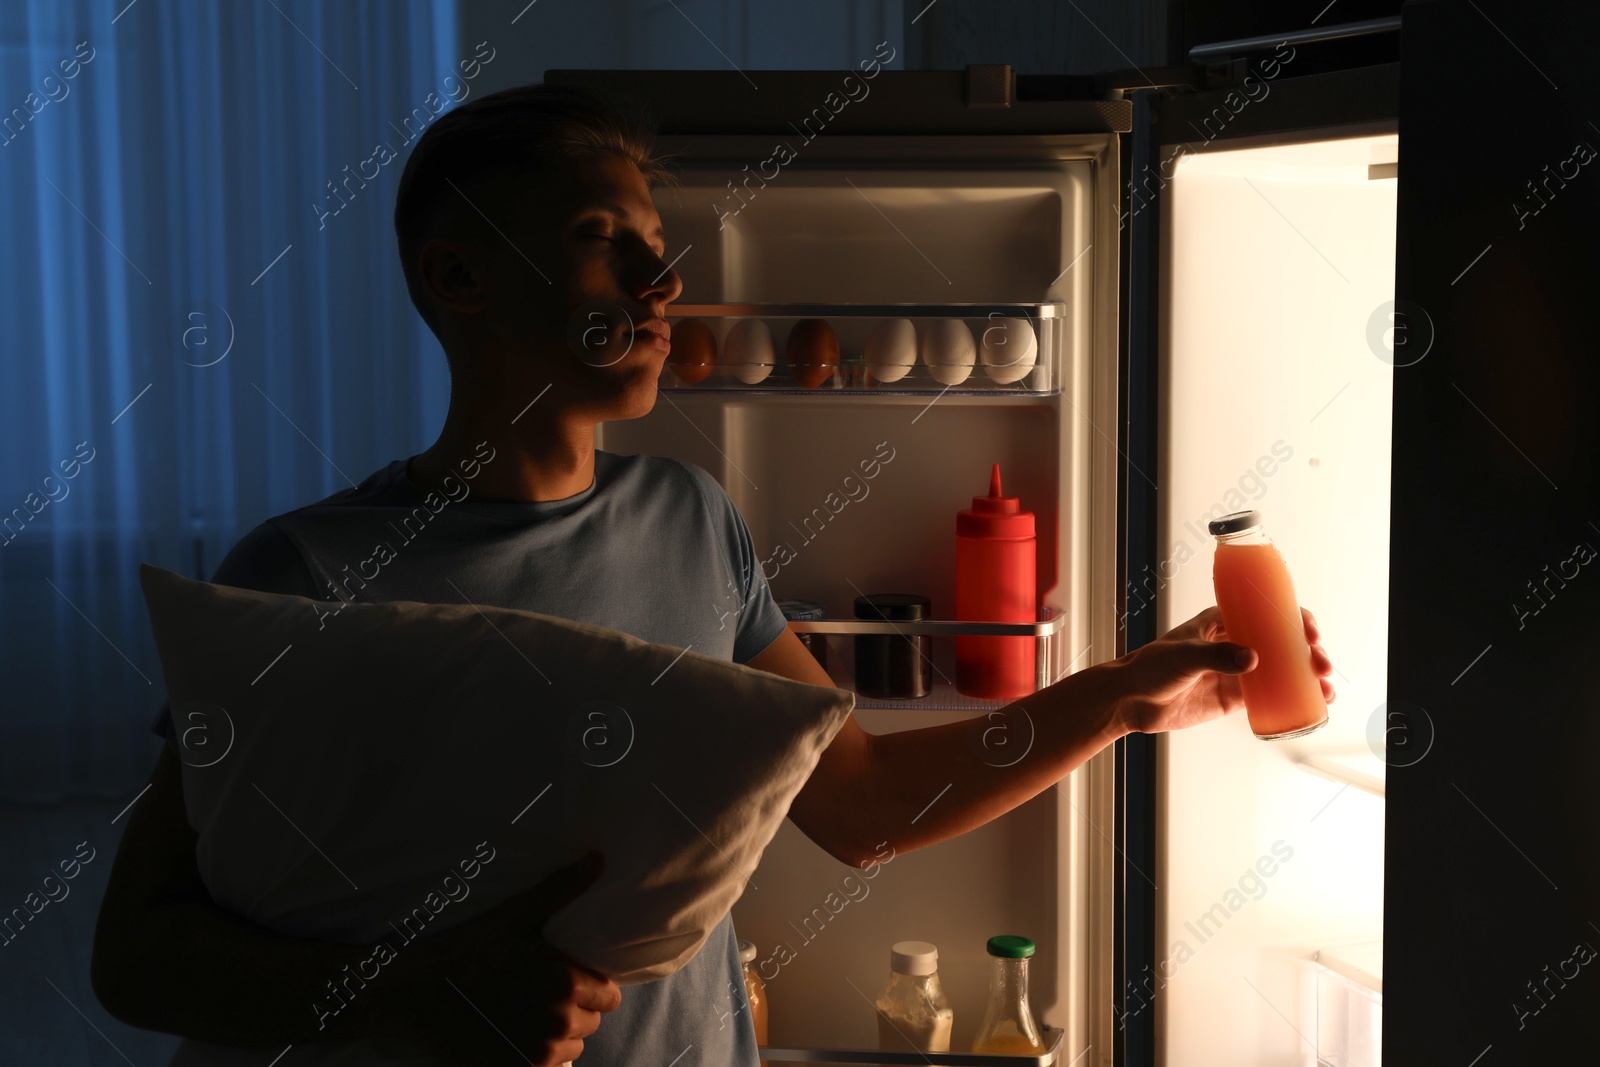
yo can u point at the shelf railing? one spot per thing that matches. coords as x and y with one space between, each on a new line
1054 310
1051 662
1052 1037
1046 627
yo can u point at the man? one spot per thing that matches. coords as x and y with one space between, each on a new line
521 217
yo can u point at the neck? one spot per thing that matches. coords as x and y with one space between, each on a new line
540 452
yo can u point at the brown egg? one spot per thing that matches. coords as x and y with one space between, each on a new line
694 350
813 352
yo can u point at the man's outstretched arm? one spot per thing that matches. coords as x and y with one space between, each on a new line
914 788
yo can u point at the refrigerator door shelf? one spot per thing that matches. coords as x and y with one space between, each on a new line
1360 962
1048 626
1350 1006
1052 1054
1363 770
1026 310
998 349
840 634
942 696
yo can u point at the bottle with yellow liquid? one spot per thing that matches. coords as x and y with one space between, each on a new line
1008 1028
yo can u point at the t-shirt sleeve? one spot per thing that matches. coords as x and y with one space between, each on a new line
264 559
758 620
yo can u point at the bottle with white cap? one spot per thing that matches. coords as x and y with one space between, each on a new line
913 1014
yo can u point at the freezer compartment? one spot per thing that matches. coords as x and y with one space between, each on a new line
887 233
839 641
884 349
1051 1054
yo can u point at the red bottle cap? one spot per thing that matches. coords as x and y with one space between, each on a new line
995 516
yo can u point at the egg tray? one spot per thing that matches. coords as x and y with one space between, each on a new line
883 349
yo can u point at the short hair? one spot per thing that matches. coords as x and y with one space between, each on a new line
523 129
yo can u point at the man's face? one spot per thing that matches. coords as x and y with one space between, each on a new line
577 289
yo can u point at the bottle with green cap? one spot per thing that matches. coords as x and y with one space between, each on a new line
1008 1028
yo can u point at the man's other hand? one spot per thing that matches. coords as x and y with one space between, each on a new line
493 991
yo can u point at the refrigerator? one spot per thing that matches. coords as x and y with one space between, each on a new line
1209 264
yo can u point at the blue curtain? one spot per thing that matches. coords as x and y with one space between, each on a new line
204 322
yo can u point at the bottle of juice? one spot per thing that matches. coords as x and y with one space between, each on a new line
1282 696
1008 1028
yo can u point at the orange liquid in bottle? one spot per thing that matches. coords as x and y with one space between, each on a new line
1009 1044
1282 696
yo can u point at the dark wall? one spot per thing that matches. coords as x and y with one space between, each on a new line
1077 37
682 35
1092 36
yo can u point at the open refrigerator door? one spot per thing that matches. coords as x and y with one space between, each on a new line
1279 350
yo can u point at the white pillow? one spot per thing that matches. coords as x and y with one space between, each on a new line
403 767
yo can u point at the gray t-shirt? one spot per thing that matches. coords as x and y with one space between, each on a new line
653 548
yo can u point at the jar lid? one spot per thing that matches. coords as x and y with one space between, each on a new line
893 607
1238 522
747 951
913 957
800 610
1011 947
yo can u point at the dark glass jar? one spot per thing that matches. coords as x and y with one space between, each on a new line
893 666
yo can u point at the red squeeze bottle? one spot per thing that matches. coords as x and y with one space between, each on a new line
995 559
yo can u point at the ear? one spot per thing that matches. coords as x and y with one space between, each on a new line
448 279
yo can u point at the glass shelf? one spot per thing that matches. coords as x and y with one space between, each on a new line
1048 626
1052 1044
839 657
1361 962
867 349
943 696
1363 770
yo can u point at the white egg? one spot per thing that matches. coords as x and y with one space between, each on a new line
1009 350
948 350
750 351
892 350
